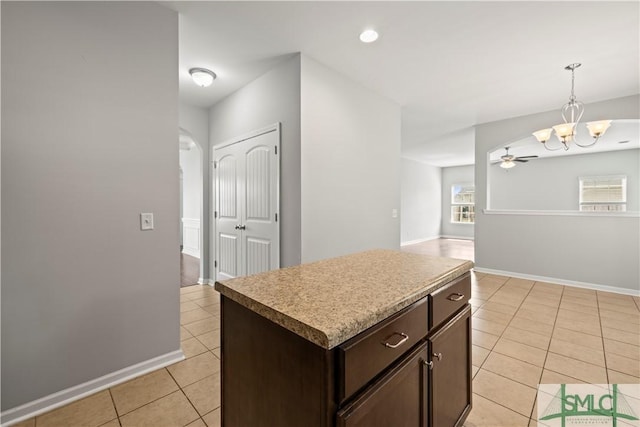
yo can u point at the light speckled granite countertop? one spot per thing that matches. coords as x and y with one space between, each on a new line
330 301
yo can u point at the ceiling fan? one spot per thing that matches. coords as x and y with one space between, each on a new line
508 160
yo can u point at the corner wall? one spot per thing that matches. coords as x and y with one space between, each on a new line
421 201
350 165
591 250
89 141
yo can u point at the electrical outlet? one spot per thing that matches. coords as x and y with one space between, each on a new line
146 221
394 213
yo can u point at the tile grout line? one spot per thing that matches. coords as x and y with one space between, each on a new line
185 394
546 354
500 336
604 351
115 408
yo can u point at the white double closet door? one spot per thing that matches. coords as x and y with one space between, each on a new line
247 228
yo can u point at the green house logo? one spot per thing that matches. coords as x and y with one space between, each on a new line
586 404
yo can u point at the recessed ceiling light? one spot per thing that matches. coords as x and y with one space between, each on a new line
202 77
368 36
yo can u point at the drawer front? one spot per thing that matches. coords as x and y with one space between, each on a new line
366 355
446 301
399 398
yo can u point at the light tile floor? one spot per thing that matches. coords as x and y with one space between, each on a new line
524 333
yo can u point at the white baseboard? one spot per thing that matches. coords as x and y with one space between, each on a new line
413 242
444 236
194 252
208 282
449 236
564 282
71 394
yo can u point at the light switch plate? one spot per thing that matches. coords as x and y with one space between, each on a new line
394 213
146 221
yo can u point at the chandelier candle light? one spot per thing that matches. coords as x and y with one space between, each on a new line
572 112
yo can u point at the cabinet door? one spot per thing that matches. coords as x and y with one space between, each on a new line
450 382
398 399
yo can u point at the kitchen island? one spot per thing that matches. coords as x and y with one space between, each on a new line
379 338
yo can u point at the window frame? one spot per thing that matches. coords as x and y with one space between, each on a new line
620 204
458 208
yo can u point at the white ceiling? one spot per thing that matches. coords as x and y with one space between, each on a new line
449 65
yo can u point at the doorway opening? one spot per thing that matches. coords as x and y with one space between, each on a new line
191 199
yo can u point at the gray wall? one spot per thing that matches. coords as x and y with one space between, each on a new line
89 140
590 249
451 176
273 97
350 166
527 186
421 201
195 120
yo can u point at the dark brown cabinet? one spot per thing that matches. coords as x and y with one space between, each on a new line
399 399
450 376
413 369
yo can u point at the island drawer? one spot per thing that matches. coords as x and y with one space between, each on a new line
446 301
367 354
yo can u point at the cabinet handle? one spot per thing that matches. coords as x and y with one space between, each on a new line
429 364
438 355
455 297
405 337
240 227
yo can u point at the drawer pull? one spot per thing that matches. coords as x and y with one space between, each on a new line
429 364
455 297
405 337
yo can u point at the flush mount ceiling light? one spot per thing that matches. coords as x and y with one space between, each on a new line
368 36
572 112
202 77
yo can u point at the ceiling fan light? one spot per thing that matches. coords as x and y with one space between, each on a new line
597 129
543 135
202 77
507 164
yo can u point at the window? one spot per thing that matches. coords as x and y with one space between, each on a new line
603 193
463 203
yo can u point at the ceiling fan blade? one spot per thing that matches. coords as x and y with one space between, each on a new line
527 157
520 160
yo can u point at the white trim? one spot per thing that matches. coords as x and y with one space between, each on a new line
191 246
559 213
71 394
206 282
553 280
249 135
414 242
442 236
449 236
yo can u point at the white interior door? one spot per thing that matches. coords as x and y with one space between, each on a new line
227 213
247 235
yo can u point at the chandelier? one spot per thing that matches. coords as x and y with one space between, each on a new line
572 112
